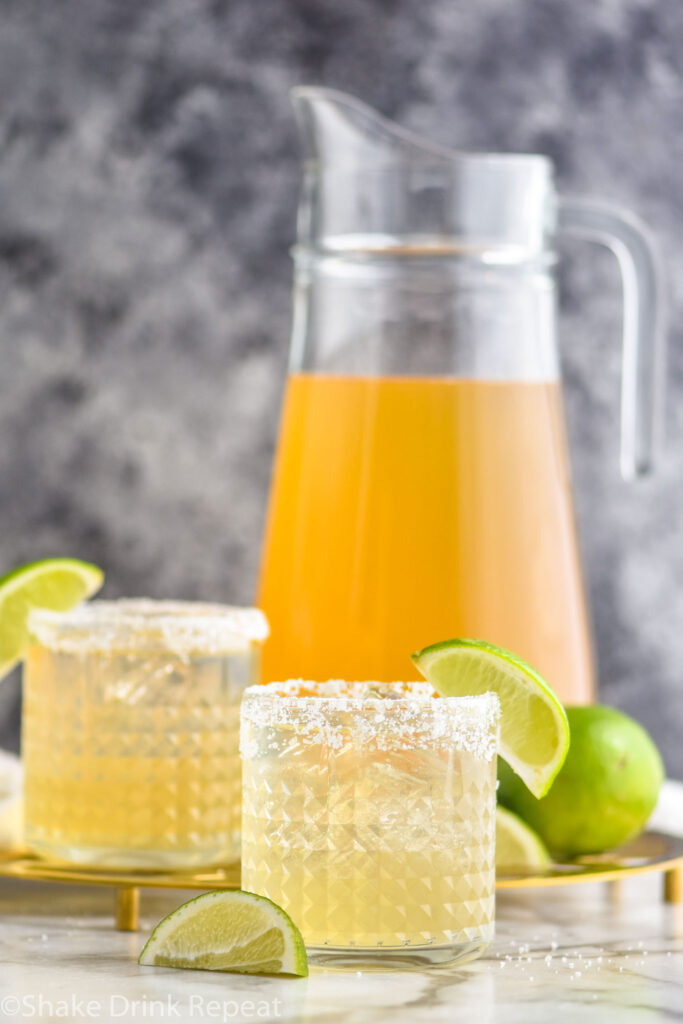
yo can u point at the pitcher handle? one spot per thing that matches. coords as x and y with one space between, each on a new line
642 359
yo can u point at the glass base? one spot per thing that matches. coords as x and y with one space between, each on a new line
395 958
118 859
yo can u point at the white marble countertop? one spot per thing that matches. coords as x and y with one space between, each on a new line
560 955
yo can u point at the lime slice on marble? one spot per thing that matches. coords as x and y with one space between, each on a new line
228 931
55 583
534 732
517 845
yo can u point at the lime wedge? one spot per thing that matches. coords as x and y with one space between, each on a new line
228 931
55 583
534 733
517 845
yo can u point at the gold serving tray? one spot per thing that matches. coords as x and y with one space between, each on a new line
650 852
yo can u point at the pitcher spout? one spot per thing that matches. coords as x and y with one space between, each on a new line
372 185
336 128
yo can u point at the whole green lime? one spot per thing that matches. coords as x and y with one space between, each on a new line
603 794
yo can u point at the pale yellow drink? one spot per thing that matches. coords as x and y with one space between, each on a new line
130 732
369 815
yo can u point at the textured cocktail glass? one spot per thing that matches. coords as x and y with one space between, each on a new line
130 731
369 815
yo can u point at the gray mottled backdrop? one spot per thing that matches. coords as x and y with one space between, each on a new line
148 181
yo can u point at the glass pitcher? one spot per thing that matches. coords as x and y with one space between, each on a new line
421 486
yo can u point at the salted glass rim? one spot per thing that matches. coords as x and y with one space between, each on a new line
336 692
383 716
173 624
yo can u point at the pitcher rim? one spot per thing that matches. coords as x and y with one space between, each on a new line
429 148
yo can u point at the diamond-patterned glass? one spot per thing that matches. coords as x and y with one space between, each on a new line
368 847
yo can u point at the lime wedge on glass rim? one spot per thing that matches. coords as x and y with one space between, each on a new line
534 732
55 583
517 845
228 930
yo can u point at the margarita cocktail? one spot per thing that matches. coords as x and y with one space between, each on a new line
369 816
130 731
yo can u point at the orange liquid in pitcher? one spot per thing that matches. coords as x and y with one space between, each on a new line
407 510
